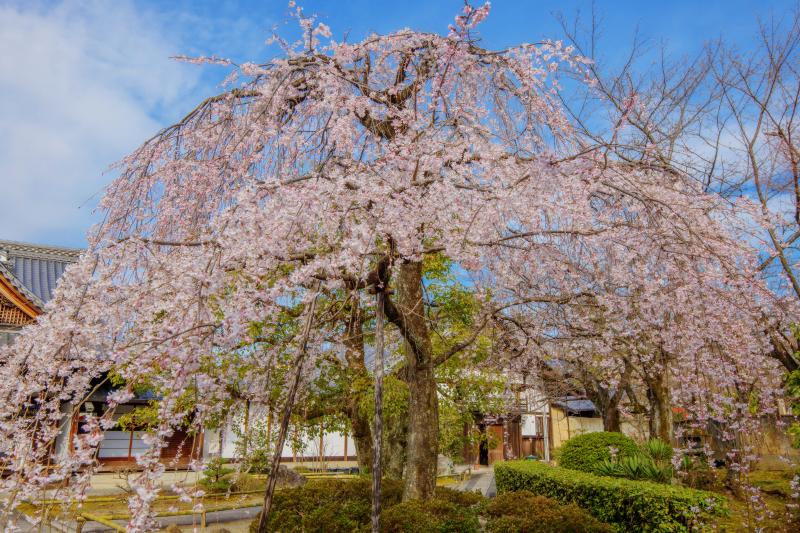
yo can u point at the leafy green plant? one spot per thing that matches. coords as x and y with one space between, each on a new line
586 451
610 468
643 467
658 450
652 463
627 504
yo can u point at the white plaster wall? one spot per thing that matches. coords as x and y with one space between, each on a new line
333 443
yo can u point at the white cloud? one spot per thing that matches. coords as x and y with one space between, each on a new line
81 85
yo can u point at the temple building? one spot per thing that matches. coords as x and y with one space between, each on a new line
28 276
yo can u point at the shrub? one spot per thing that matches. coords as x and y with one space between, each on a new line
584 452
653 462
635 467
696 473
630 505
458 497
245 482
658 450
517 512
339 506
434 516
258 461
329 505
217 477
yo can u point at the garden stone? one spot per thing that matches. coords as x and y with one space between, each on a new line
287 477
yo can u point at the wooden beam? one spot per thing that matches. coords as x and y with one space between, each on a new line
11 293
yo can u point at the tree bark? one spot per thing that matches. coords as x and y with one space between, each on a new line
354 354
377 426
362 436
395 442
423 424
611 421
660 398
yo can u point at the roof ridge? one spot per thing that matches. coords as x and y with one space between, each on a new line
40 251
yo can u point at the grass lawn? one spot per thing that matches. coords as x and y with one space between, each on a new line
776 493
119 508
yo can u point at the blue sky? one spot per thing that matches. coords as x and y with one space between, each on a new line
83 82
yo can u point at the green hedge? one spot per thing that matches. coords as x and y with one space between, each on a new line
629 505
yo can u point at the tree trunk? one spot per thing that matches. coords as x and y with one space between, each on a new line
659 396
395 441
362 436
611 420
354 354
423 424
377 427
423 436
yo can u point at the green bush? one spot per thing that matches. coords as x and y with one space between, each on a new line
328 505
653 462
216 477
434 516
695 472
629 505
458 497
517 512
246 482
658 450
344 506
639 467
586 451
258 461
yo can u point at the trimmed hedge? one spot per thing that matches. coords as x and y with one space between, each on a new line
344 506
521 512
434 516
586 451
628 505
327 506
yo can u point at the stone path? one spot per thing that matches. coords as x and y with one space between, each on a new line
482 480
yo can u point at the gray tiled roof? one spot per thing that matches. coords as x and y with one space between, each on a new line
576 405
35 269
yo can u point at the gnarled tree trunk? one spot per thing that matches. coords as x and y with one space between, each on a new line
423 424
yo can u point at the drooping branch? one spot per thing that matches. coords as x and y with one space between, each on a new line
297 364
